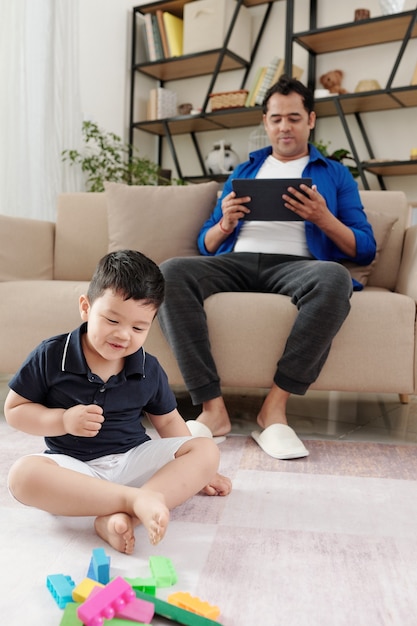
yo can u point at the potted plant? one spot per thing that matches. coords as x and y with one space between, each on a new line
106 158
340 155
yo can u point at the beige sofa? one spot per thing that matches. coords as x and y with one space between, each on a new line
45 266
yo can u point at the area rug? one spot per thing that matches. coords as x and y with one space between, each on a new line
329 540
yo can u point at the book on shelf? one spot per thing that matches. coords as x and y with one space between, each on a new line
274 69
162 103
174 31
162 32
157 39
257 81
150 41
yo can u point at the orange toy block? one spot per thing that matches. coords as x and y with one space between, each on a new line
186 601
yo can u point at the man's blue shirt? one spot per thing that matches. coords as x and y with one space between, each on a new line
56 375
338 187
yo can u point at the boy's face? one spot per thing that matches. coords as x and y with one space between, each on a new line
116 327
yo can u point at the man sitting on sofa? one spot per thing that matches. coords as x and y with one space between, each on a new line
300 259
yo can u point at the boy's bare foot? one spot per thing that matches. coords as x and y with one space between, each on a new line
215 416
151 510
117 530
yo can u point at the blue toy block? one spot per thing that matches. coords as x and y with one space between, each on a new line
61 588
99 568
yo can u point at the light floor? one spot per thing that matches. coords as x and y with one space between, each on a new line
318 415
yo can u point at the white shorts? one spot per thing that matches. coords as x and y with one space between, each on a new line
134 467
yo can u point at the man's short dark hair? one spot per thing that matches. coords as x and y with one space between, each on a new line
287 85
130 274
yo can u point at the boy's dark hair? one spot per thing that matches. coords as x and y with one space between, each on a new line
130 274
287 85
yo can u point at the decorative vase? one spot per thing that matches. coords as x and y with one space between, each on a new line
388 7
222 159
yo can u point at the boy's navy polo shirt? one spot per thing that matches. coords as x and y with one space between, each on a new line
56 375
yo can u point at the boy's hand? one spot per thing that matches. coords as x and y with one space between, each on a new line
83 420
219 486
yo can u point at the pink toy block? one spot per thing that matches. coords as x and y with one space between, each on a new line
105 602
137 611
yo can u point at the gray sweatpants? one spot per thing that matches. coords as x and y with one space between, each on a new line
320 290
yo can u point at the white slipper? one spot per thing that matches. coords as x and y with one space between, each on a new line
198 429
280 442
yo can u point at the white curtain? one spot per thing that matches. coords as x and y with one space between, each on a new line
40 108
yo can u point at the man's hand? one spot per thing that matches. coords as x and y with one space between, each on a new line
233 210
311 205
308 203
219 486
83 420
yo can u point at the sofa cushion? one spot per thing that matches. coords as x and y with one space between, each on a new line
161 222
26 249
382 225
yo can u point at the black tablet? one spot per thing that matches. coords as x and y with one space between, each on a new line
266 197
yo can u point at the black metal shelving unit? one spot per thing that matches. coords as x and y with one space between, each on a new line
400 27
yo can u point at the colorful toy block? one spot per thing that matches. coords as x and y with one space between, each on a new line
137 611
175 613
61 588
163 571
148 585
195 605
81 592
69 617
99 568
105 602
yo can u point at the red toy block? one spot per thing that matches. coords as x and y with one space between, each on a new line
106 602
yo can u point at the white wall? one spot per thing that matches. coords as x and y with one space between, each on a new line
105 59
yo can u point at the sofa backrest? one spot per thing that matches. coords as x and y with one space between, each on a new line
82 234
390 204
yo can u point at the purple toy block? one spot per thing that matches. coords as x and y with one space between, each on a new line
106 602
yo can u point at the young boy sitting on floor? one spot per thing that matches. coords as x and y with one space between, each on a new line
87 392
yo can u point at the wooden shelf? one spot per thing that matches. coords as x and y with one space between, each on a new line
357 34
226 118
176 6
364 102
391 168
196 64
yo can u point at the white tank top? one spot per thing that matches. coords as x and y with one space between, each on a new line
275 237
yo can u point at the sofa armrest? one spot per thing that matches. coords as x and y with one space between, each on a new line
26 249
407 275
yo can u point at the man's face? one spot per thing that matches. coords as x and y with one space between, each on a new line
288 126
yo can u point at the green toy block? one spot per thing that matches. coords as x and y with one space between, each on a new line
148 585
175 613
163 571
69 617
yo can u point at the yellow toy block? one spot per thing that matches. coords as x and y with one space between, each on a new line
186 601
81 592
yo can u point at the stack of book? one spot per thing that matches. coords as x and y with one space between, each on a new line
265 77
163 34
162 103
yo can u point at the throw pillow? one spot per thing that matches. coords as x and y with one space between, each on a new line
160 221
382 224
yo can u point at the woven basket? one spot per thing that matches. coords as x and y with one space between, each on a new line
228 99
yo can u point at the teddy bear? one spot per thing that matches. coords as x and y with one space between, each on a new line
333 81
